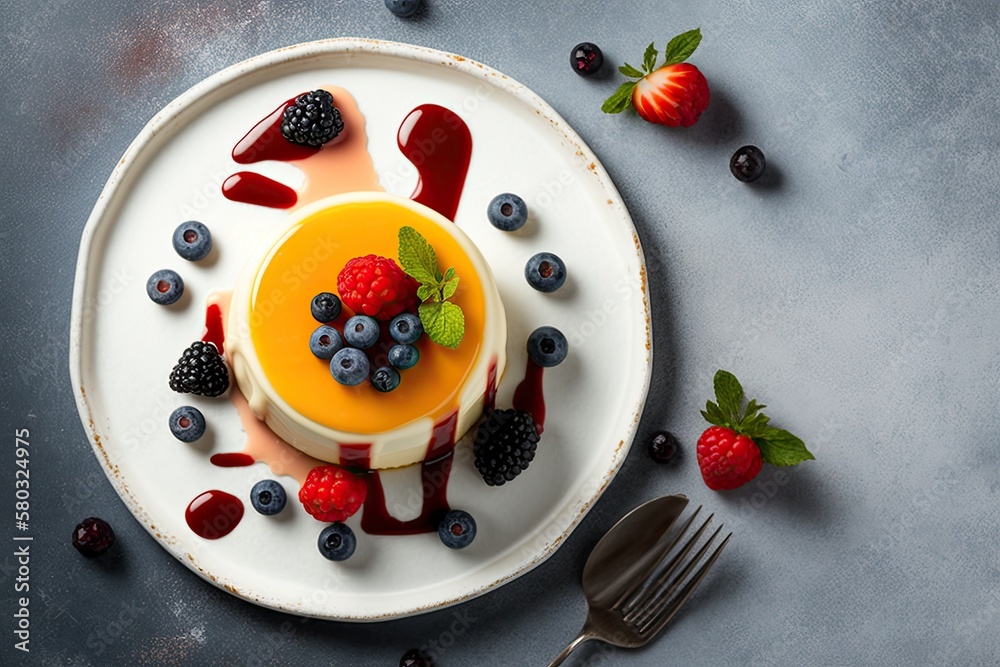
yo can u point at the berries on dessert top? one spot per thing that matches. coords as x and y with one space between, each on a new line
311 120
547 346
337 542
457 529
325 307
165 287
731 452
192 240
586 58
201 371
93 536
385 379
505 445
187 423
331 493
361 332
325 342
507 212
377 287
268 497
545 272
349 366
404 357
747 164
674 94
406 328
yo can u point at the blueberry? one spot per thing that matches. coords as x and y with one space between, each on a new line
268 497
325 342
406 328
404 357
337 542
385 379
192 240
361 332
415 658
349 366
165 287
545 272
93 536
663 446
187 423
457 529
747 164
507 212
325 307
586 58
547 346
403 8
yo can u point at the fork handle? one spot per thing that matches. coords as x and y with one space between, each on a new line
584 635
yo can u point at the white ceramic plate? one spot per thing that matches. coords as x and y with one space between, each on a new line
123 346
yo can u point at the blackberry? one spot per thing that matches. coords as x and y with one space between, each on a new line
505 445
201 371
312 120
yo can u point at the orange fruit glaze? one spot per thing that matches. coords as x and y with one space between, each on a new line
307 261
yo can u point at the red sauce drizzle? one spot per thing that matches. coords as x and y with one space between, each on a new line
252 188
213 328
439 145
375 518
232 460
529 396
442 437
355 456
490 399
214 514
265 141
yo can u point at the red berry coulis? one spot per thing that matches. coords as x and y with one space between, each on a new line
529 395
214 514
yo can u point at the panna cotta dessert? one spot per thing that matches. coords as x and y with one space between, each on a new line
299 393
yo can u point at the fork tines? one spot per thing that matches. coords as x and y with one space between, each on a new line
654 598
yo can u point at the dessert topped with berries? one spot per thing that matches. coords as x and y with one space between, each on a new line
369 321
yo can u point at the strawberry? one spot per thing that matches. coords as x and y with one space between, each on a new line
674 94
732 451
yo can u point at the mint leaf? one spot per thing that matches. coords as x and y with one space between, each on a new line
713 415
649 58
449 288
682 46
729 394
755 426
427 291
444 323
449 274
628 70
417 258
780 448
621 99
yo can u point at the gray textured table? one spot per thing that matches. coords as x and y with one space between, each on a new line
855 290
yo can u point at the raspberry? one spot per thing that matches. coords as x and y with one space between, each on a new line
331 494
201 371
377 287
727 459
505 445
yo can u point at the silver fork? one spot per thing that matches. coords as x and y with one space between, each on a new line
631 594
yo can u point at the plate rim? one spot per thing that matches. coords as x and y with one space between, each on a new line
300 52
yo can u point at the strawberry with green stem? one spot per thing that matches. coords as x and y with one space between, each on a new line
732 451
673 94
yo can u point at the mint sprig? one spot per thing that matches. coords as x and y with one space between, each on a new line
444 321
678 50
777 446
